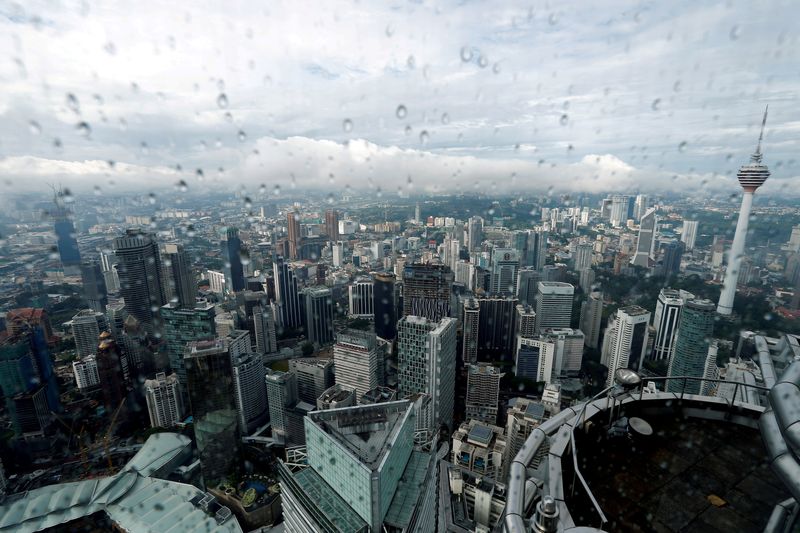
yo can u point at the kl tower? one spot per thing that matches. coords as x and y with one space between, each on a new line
751 177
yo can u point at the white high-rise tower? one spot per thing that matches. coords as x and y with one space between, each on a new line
751 177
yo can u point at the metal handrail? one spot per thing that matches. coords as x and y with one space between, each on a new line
605 391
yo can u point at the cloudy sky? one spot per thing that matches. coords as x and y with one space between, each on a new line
410 96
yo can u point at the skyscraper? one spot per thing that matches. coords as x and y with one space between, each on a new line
618 213
695 332
665 321
179 283
591 316
139 270
475 230
671 258
483 392
359 364
625 342
211 395
332 224
164 401
554 305
110 366
426 291
318 304
505 264
86 328
264 326
384 306
65 236
471 323
361 298
281 397
640 206
426 360
645 244
751 177
496 327
527 284
583 256
250 391
689 233
94 286
286 295
231 247
182 326
314 375
294 238
85 372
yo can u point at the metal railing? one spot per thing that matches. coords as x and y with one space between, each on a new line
580 419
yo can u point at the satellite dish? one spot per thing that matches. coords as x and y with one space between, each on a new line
640 427
627 378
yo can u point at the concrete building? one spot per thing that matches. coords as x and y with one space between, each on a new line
646 243
483 392
479 448
625 342
471 323
385 304
281 398
313 375
164 401
336 397
505 265
426 291
318 305
695 331
86 328
85 371
665 321
264 326
361 299
287 296
689 233
426 360
250 391
525 321
180 286
140 272
358 361
591 317
554 305
182 325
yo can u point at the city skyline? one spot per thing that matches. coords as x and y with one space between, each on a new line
495 117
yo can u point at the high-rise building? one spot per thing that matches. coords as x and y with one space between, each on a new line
94 286
231 247
379 456
66 237
625 342
361 298
695 332
287 296
640 206
337 254
384 292
465 274
332 224
527 284
554 304
525 321
313 377
536 250
505 264
417 216
426 291
618 213
85 372
496 327
140 271
426 360
672 252
523 416
264 326
751 177
86 328
182 325
281 397
212 401
689 233
483 392
318 305
110 371
475 230
583 256
164 400
250 391
665 321
358 361
294 236
591 316
180 285
471 323
646 243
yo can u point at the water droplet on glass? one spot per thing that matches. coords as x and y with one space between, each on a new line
242 136
401 111
552 19
347 125
57 143
423 137
483 61
445 118
408 130
466 54
677 86
34 127
97 191
83 129
276 190
222 101
72 103
144 148
655 104
248 203
151 198
110 47
564 119
228 116
682 146
182 186
389 30
735 33
411 62
330 198
200 174
496 68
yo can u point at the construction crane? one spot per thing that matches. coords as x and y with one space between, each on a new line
84 455
108 434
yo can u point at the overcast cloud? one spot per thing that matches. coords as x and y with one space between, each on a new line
495 96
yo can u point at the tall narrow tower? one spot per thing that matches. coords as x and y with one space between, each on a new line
751 177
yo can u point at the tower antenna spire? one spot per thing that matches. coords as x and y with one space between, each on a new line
757 154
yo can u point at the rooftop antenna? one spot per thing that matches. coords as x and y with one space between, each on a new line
757 155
